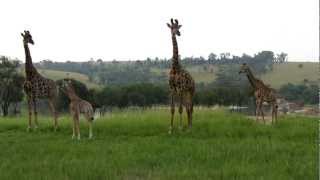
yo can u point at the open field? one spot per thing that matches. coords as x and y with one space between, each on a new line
135 145
280 75
56 75
290 72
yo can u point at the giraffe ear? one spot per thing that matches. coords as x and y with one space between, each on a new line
179 26
22 35
168 25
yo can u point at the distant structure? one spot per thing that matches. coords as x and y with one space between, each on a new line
77 106
37 87
180 81
262 93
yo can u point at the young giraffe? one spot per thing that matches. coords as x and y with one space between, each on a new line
262 93
77 106
180 81
37 87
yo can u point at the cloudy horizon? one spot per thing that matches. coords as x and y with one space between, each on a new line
131 30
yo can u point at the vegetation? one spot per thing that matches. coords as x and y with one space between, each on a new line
303 93
11 83
123 73
283 74
136 145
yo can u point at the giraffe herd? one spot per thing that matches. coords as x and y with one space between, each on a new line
181 84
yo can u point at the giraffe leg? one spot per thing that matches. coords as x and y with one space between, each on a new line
172 113
35 112
276 113
189 109
180 112
257 110
54 113
273 113
190 116
29 114
90 129
78 128
261 112
74 127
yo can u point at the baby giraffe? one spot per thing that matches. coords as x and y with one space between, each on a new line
78 106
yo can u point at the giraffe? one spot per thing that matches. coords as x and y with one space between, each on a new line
77 106
37 87
181 83
262 93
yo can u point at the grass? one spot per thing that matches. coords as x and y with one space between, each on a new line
135 145
290 73
56 75
280 75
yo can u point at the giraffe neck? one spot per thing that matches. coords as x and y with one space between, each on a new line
252 79
72 95
29 68
175 57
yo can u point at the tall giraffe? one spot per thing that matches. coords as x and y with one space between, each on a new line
262 93
180 81
37 87
77 106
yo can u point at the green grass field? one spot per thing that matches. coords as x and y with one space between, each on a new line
291 73
280 75
56 75
136 145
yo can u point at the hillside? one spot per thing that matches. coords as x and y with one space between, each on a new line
291 72
56 75
280 75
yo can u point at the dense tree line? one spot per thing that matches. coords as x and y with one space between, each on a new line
147 95
309 94
141 71
11 85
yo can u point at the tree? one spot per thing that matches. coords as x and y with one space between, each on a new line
282 57
80 88
11 84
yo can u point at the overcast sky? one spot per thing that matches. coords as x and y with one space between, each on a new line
78 30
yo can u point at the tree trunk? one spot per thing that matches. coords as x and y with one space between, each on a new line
5 108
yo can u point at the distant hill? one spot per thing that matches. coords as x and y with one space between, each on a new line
290 72
56 75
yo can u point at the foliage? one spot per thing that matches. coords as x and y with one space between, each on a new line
63 100
140 71
11 84
305 93
136 145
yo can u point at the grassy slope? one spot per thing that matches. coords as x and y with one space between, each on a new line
56 75
281 74
290 72
197 73
135 145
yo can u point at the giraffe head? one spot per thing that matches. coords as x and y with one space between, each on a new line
244 68
174 27
27 38
66 86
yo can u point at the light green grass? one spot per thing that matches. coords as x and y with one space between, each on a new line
198 73
135 145
290 73
56 75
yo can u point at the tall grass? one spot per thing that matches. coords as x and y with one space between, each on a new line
136 145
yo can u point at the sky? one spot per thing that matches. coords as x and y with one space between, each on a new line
78 30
